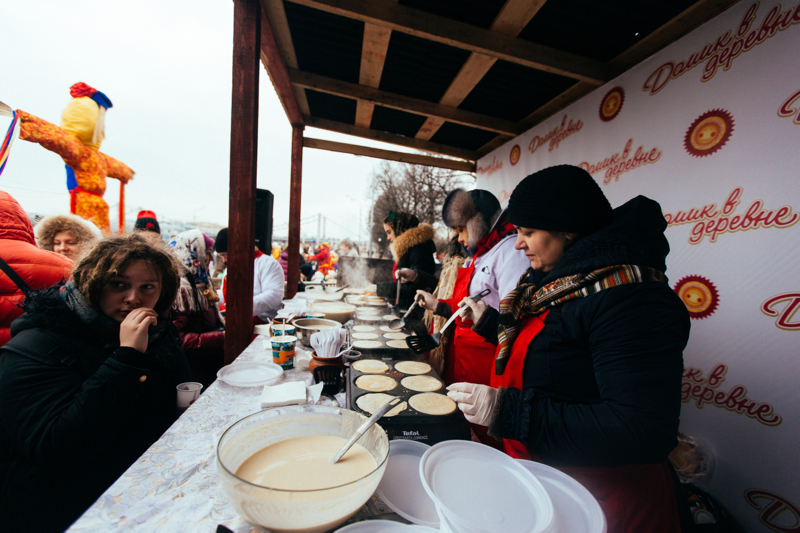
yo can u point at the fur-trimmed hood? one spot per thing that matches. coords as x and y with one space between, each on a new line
475 210
46 230
411 238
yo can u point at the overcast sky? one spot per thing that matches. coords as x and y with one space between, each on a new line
166 66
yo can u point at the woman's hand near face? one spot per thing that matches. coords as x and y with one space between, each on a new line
427 300
133 330
474 310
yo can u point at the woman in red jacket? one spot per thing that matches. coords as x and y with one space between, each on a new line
194 314
37 268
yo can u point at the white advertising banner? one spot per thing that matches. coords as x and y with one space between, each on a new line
710 128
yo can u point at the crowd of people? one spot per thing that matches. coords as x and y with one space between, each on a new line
574 358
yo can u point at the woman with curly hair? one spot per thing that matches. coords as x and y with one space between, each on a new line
87 382
67 235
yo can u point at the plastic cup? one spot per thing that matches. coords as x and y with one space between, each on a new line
279 330
187 393
283 350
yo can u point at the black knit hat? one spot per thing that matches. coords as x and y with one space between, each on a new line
561 198
221 242
147 224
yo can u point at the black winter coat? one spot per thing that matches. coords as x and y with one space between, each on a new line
413 249
76 410
602 380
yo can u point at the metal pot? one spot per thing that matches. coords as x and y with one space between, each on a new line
305 327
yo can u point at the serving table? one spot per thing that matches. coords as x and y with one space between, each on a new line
174 485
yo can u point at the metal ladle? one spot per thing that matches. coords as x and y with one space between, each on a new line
400 323
364 427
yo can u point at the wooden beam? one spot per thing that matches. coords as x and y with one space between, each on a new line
283 37
403 103
243 165
465 36
392 138
295 193
276 70
414 159
691 18
373 56
512 19
494 144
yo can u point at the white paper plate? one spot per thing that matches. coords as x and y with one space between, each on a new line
384 526
462 478
250 374
401 487
575 507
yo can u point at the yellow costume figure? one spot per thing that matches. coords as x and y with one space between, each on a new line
77 141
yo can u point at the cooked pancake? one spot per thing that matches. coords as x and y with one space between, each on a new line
373 401
365 336
389 330
421 383
431 403
397 336
389 317
412 367
397 344
378 383
368 344
364 329
371 366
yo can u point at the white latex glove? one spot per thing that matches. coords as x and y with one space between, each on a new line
427 300
475 401
475 309
406 275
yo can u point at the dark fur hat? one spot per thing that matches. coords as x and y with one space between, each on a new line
475 210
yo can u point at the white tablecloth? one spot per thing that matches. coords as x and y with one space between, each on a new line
174 485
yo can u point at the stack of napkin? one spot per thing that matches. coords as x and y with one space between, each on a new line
290 393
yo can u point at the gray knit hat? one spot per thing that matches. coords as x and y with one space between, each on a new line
561 198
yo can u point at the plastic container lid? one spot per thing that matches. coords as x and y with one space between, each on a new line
384 526
575 507
250 374
480 489
401 487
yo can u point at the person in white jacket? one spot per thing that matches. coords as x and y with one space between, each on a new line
268 280
484 231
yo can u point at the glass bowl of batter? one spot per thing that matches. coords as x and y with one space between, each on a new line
274 467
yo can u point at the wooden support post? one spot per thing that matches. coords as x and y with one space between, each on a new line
296 187
242 196
121 229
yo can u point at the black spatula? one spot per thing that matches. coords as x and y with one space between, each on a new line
427 342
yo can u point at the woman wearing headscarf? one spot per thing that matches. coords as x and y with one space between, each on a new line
87 382
194 314
412 249
587 375
487 236
66 235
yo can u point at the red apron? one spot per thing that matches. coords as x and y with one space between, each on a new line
469 357
634 498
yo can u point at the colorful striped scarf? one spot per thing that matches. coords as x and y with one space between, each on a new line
529 300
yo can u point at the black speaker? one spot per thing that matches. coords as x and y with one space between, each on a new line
264 202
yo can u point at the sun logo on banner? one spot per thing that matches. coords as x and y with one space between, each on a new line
699 295
513 158
611 104
708 133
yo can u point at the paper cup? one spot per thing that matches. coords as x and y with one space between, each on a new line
262 329
283 350
312 314
187 393
279 330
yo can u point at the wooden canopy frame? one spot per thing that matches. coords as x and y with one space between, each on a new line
261 32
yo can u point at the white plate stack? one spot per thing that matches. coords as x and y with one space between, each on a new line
466 487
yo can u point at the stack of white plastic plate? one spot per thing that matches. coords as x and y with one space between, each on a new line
574 509
384 526
478 489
